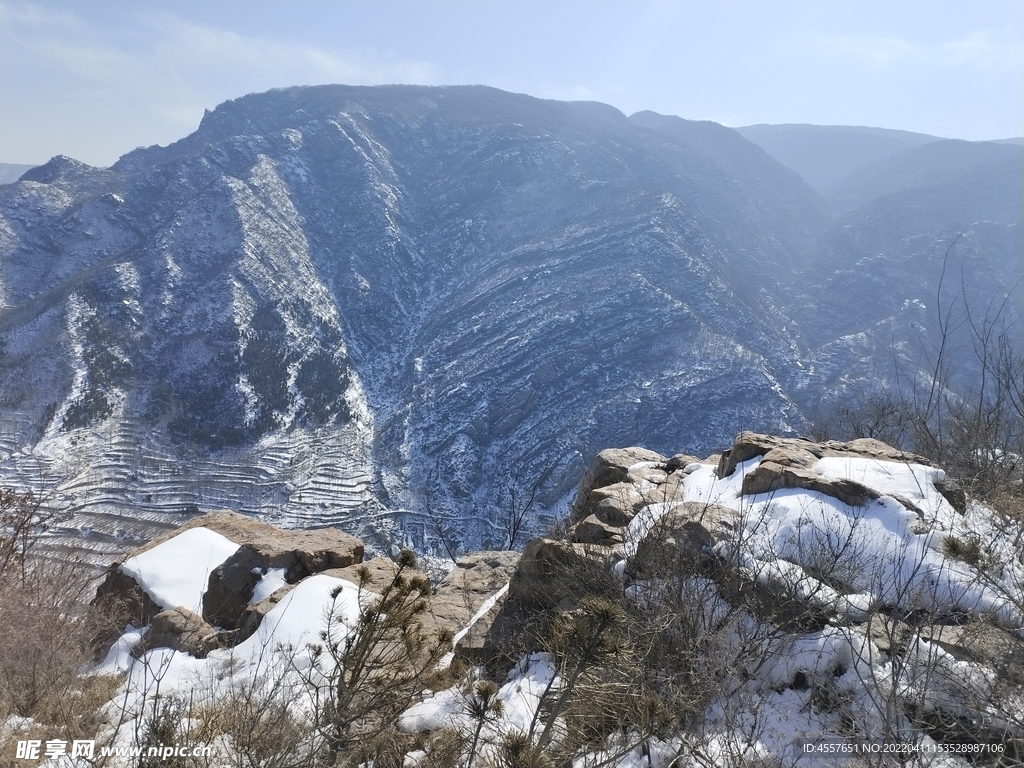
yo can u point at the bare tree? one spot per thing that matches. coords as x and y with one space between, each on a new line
518 497
22 520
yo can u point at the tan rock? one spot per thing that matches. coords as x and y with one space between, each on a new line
680 462
181 630
651 475
614 504
685 533
608 467
592 530
553 572
461 594
299 553
793 452
670 490
770 476
120 598
254 614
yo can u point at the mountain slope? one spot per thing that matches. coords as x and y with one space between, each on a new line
936 163
378 307
421 289
825 154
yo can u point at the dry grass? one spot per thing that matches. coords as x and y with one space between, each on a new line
46 640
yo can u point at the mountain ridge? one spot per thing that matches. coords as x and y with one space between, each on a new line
370 306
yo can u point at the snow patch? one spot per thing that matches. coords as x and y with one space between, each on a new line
160 573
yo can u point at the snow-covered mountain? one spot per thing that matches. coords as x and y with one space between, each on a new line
344 305
785 602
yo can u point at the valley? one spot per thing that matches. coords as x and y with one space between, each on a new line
379 307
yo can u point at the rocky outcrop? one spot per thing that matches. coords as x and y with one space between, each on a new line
459 597
789 463
609 468
617 485
552 572
227 616
771 475
802 452
772 594
120 598
615 504
181 630
593 530
688 531
298 553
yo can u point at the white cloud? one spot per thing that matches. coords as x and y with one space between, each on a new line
986 49
173 68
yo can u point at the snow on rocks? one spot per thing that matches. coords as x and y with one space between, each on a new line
233 563
158 571
849 537
824 593
521 695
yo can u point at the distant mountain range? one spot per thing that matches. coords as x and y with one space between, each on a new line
11 172
382 307
824 155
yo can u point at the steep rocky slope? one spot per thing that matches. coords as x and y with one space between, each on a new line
364 305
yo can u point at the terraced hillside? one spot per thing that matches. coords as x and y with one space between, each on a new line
387 308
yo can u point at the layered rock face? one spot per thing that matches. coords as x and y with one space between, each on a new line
353 306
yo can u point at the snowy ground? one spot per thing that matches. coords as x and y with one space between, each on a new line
881 553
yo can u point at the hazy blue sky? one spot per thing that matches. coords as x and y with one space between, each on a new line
95 79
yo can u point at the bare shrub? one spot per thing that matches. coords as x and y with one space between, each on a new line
972 426
45 641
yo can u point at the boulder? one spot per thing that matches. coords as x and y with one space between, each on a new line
614 504
644 474
771 476
610 466
380 571
749 445
374 575
592 530
475 579
310 548
954 493
231 584
801 452
789 463
663 554
669 490
686 533
121 596
554 573
181 630
299 553
254 614
680 462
